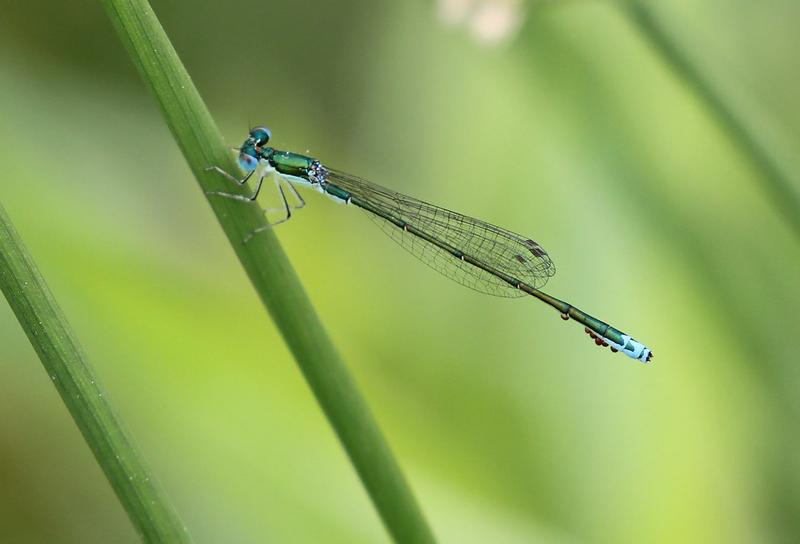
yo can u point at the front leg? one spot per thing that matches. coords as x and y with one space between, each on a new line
226 175
240 198
239 182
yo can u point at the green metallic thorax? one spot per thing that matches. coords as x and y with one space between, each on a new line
286 162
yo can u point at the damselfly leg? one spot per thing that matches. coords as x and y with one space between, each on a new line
280 181
287 208
238 182
300 201
231 177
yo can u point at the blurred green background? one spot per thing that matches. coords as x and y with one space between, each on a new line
511 426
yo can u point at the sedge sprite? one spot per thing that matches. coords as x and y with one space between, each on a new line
472 252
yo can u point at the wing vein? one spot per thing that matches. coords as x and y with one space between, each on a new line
516 256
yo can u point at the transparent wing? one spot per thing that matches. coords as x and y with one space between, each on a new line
509 253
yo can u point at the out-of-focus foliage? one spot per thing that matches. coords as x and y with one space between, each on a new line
511 426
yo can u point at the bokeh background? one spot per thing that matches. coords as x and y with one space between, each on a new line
553 119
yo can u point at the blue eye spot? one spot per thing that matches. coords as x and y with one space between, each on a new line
247 162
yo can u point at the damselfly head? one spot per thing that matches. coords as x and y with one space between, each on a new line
249 153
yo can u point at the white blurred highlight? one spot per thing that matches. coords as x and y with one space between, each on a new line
489 21
454 12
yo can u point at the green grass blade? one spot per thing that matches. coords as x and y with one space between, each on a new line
269 270
775 181
65 363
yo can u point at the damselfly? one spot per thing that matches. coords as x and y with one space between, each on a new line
474 253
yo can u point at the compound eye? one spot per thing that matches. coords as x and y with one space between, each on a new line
261 135
247 162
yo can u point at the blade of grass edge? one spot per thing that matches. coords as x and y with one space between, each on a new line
775 181
65 362
270 271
